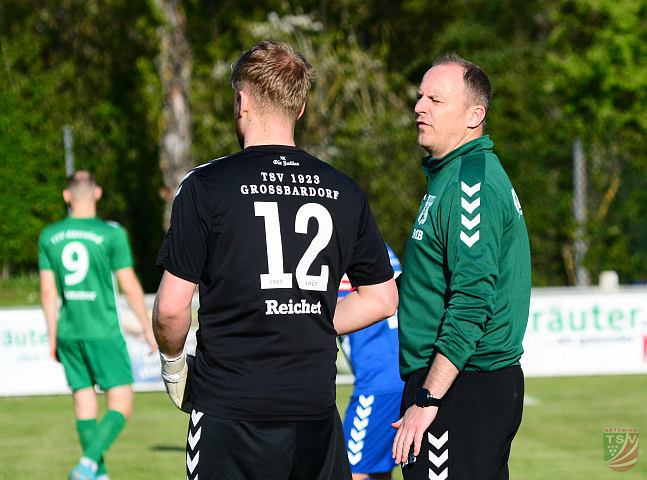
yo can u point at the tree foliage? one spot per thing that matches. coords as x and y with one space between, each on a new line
597 52
560 70
87 64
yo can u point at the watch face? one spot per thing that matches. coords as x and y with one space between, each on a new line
422 398
425 399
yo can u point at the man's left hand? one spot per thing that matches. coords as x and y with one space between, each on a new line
411 429
150 339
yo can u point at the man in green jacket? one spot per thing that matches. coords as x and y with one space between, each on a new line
464 291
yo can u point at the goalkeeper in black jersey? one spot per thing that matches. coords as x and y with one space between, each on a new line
267 234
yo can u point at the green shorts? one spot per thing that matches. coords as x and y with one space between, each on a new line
104 362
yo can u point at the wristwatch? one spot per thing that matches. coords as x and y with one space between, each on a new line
425 399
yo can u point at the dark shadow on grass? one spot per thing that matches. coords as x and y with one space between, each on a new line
168 448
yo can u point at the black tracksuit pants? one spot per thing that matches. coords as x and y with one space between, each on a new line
471 436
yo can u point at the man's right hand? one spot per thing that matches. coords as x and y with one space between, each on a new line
176 374
52 350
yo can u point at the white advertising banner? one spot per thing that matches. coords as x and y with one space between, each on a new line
25 365
27 369
570 332
586 332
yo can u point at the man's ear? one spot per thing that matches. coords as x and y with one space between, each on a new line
67 196
242 103
236 104
476 116
303 109
98 192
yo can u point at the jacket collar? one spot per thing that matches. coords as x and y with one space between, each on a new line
431 164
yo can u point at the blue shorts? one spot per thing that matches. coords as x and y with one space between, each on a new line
368 431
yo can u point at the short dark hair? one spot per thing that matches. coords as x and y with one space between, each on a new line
81 177
477 84
277 76
81 185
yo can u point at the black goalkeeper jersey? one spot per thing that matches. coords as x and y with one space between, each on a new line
267 233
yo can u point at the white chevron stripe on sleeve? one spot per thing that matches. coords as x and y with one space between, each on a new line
470 191
470 240
366 401
470 224
470 206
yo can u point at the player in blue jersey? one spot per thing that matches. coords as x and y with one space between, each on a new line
375 402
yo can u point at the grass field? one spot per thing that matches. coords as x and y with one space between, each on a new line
20 290
560 438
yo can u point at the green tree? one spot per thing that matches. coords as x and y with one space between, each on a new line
508 39
599 76
560 70
87 64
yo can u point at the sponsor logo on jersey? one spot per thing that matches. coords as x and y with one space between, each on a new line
81 295
273 307
284 162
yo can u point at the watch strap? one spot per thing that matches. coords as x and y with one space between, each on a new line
424 398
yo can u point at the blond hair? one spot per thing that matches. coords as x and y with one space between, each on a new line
277 77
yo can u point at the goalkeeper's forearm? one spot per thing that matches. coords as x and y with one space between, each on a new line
171 323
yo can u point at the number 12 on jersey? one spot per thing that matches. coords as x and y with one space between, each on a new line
276 277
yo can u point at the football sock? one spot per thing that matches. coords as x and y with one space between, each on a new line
86 428
106 433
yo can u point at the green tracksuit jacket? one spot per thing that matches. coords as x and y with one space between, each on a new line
465 285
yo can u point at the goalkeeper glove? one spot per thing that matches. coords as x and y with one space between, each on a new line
176 373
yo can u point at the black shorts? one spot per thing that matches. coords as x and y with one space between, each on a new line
219 449
471 436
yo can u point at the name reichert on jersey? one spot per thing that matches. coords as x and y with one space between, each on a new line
291 308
